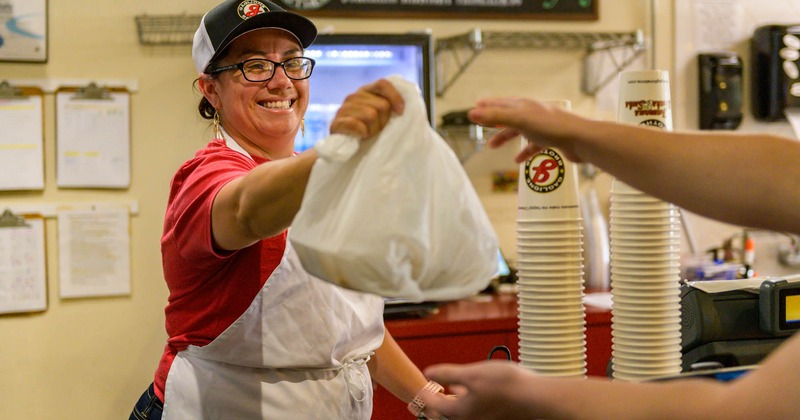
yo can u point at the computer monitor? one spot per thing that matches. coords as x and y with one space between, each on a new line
502 265
345 62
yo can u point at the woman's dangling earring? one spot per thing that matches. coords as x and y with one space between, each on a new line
303 127
217 131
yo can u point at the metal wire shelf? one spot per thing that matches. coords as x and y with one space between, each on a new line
465 140
475 41
167 29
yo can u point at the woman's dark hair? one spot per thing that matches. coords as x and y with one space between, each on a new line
207 111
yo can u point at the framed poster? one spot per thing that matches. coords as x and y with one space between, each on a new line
23 30
448 9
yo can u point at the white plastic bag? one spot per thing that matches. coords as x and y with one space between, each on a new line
395 215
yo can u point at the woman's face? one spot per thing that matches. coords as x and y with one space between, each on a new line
263 115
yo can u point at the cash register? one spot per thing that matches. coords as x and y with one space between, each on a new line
731 323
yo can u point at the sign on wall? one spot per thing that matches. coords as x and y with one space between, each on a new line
448 9
23 30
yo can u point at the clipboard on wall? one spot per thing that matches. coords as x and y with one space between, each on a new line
93 146
22 141
23 268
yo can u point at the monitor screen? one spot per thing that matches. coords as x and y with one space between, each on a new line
789 308
502 265
345 62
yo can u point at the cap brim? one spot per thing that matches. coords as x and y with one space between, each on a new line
302 28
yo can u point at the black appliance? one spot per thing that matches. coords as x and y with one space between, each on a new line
775 56
723 329
720 90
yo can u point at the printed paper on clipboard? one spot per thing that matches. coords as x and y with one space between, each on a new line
21 145
23 282
93 138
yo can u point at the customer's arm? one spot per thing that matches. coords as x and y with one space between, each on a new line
503 390
745 179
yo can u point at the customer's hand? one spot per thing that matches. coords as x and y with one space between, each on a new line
433 414
365 112
483 391
542 124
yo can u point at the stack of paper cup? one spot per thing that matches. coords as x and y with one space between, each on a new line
645 240
552 329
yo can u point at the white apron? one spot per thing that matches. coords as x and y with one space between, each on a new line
298 352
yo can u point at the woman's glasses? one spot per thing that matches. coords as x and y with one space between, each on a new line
261 69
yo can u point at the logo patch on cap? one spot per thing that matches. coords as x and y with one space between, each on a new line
250 8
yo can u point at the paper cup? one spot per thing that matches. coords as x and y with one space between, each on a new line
658 328
540 277
548 188
666 361
545 368
645 214
645 249
533 312
551 339
552 359
551 287
647 346
645 335
632 287
643 371
548 184
567 221
544 320
636 309
644 98
551 268
643 239
649 222
636 273
661 229
624 316
544 347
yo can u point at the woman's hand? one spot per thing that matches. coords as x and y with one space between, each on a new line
365 112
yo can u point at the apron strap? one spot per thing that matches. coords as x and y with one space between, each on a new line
354 378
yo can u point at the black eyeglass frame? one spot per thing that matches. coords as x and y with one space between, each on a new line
275 65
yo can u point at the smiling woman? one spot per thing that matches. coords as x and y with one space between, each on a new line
302 347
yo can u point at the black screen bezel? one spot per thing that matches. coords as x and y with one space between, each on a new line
421 40
783 324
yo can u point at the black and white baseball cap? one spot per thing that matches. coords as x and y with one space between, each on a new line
233 18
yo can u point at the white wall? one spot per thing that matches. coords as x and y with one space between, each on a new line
95 356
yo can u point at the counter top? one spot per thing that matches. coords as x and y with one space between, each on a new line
474 314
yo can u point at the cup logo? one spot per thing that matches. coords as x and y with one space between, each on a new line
250 8
544 172
654 123
648 108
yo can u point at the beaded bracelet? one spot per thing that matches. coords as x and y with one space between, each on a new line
417 406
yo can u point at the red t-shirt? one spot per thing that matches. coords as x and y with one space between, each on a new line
208 289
